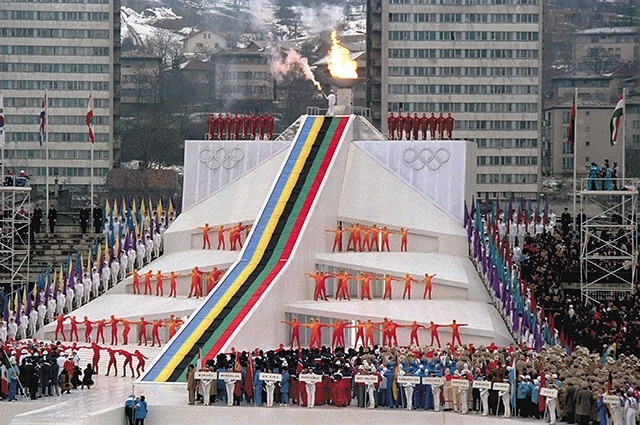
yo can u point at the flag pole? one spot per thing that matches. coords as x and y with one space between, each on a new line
46 148
575 156
90 110
2 136
624 125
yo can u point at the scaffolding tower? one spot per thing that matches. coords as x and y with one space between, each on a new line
15 240
608 239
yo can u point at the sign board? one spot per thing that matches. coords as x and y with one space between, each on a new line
270 376
432 380
367 379
501 386
548 392
233 376
460 383
310 377
205 375
409 380
611 399
482 385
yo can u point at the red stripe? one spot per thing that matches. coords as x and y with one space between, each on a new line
304 211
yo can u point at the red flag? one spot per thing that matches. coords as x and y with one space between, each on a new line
248 377
89 119
542 401
571 132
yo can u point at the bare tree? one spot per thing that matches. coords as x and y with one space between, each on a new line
164 44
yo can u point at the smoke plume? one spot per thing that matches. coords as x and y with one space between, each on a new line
292 64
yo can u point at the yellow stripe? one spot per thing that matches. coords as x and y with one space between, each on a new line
255 259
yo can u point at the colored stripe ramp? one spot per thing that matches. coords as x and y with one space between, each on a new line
267 250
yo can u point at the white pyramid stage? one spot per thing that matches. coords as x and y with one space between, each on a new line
336 170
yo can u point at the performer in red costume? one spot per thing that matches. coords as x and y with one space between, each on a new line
365 281
320 289
127 361
375 235
246 127
359 327
220 230
392 334
337 337
147 282
253 124
206 243
416 126
87 329
408 126
295 331
427 285
173 325
74 329
173 284
424 125
355 237
403 241
448 125
391 125
237 127
114 330
413 337
407 279
142 331
399 125
228 124
196 283
387 279
60 326
135 281
385 237
315 332
369 327
141 361
211 283
100 324
155 333
269 124
126 328
433 124
342 290
433 328
160 284
211 126
441 125
95 360
455 332
260 126
337 238
112 361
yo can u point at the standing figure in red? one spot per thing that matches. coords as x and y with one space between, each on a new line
95 360
433 328
253 124
375 235
228 126
441 125
407 279
337 337
196 283
320 289
369 327
220 230
147 282
455 332
359 327
342 290
354 237
295 331
392 334
218 124
206 243
173 324
100 330
415 326
433 124
237 127
135 278
87 329
155 332
173 284
159 284
60 326
403 241
211 126
448 125
260 126
337 239
114 329
315 332
74 329
424 125
387 279
112 361
142 331
365 280
385 238
416 126
126 328
245 125
408 126
428 286
399 125
391 124
269 124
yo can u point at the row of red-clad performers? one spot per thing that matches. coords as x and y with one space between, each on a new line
240 126
417 127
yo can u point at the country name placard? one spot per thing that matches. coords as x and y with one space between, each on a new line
432 380
233 376
486 385
409 380
206 375
367 379
310 377
501 386
548 392
460 383
263 376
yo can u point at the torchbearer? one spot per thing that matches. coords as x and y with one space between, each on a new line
331 102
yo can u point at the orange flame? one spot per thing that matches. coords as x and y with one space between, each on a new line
340 63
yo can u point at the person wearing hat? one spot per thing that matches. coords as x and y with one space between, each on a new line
141 410
584 399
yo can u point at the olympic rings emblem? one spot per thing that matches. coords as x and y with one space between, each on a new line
426 158
221 158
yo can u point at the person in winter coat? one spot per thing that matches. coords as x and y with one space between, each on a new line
583 405
141 410
65 382
87 379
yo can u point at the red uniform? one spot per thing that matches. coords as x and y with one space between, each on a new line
441 123
408 126
399 125
448 125
391 125
433 124
416 126
269 123
424 125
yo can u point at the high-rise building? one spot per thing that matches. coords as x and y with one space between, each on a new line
66 49
480 60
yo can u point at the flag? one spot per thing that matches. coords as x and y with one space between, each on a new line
571 132
613 125
248 377
89 119
1 121
43 115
